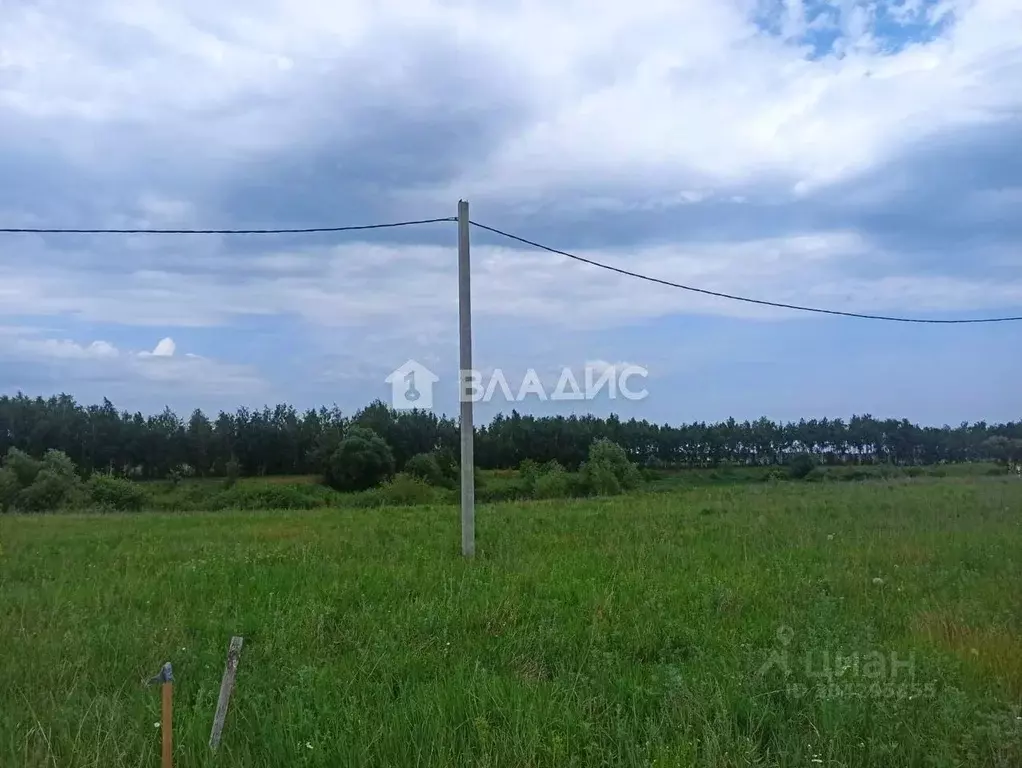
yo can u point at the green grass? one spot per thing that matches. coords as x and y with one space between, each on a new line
627 631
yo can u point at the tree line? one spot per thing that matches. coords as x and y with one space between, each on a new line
284 441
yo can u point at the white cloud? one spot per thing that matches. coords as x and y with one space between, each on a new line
660 90
617 107
165 348
411 291
65 349
102 360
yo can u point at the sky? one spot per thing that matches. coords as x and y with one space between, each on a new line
857 156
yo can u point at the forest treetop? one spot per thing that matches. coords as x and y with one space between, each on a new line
281 440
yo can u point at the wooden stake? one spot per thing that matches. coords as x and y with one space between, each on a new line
226 687
168 725
166 678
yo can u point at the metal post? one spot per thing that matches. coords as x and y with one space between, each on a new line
468 514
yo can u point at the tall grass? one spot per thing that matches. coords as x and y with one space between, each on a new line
630 631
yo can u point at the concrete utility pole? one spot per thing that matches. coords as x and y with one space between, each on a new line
468 492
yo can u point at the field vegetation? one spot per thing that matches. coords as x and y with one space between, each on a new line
727 595
870 623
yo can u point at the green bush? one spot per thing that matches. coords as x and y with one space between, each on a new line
232 471
448 467
9 488
403 490
600 479
528 476
362 460
255 496
608 471
47 492
604 451
800 465
815 475
553 484
426 467
504 491
31 485
116 493
24 467
406 490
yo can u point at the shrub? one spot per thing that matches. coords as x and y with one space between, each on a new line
9 488
600 478
800 465
24 467
61 465
815 475
402 490
406 490
362 460
32 485
47 492
553 484
528 476
608 470
512 491
426 468
448 467
257 496
116 493
232 471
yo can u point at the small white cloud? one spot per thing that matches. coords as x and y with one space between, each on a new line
165 348
102 359
102 349
63 349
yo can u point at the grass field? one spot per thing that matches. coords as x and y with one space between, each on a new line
654 629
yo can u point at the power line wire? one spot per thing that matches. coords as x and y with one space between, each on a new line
746 299
305 230
525 241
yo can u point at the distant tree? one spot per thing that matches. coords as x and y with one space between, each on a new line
552 482
24 467
600 478
278 440
116 493
1003 450
9 489
362 460
528 476
37 486
425 467
232 471
608 470
800 465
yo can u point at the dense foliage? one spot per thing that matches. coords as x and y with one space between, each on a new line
362 460
283 441
34 485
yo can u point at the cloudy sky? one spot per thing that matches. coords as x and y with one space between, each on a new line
862 156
